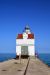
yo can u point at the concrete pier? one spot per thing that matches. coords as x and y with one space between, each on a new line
13 67
30 66
37 67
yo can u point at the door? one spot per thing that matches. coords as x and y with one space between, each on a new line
24 50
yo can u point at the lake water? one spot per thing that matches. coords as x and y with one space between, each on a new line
44 57
6 56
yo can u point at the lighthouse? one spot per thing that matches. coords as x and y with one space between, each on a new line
25 43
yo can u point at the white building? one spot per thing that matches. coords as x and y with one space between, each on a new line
25 43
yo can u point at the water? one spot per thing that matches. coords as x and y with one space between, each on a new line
44 57
6 56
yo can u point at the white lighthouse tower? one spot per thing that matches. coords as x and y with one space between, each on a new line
25 43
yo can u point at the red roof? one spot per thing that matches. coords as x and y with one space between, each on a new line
30 36
20 36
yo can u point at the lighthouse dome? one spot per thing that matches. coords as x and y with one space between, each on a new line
27 29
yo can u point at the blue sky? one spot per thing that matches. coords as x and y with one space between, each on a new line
15 14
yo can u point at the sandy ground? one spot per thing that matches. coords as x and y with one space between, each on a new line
13 67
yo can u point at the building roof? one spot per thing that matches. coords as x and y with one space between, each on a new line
30 36
20 36
27 34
